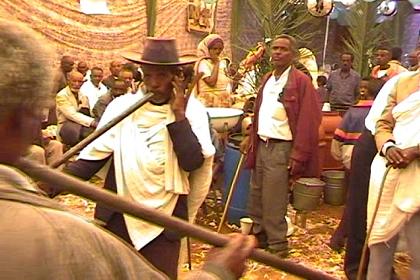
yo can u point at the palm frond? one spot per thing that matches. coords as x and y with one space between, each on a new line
364 35
151 13
279 16
274 17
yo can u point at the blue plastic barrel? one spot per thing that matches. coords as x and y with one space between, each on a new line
237 207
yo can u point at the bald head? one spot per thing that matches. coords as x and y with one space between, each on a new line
67 63
82 67
75 81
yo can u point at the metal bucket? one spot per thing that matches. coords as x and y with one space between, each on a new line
235 139
335 190
334 195
334 177
307 193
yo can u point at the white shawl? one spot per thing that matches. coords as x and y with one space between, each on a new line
401 194
146 166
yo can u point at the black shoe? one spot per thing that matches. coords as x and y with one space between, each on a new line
336 244
262 240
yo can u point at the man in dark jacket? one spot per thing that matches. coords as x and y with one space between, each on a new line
118 88
283 142
114 67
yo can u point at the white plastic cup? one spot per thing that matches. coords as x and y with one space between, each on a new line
326 107
246 224
290 227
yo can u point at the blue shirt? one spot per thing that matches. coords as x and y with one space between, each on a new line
343 88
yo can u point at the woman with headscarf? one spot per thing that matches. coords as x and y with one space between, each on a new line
214 87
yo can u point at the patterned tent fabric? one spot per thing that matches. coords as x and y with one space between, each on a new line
98 39
64 24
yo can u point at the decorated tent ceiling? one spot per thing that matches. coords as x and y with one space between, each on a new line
100 38
95 38
63 23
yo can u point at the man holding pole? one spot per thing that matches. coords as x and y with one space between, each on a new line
152 152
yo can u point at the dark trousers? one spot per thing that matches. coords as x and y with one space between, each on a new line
340 234
162 252
72 133
268 197
356 209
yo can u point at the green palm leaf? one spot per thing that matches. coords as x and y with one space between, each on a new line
151 13
364 35
280 16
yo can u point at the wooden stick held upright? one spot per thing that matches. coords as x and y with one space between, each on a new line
74 150
231 191
123 205
364 257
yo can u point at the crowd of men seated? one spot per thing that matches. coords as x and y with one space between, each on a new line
81 97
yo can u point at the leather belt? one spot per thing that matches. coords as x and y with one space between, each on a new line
272 140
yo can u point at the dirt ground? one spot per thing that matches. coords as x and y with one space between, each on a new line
308 246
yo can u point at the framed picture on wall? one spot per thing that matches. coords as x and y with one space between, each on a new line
201 15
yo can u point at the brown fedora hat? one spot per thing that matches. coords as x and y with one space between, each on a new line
157 51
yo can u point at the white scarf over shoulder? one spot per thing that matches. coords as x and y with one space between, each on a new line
146 166
401 194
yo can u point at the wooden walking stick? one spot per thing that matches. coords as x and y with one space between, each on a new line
231 191
189 253
71 184
98 132
363 259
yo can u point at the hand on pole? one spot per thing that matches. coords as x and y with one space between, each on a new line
233 256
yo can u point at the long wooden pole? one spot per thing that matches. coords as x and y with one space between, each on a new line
324 52
231 191
121 204
74 150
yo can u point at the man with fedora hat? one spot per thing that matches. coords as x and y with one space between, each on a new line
152 152
34 227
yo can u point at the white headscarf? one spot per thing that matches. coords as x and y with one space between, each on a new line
203 46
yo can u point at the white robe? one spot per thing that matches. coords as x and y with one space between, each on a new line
401 192
146 166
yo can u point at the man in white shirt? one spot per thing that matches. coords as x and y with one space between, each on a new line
93 88
152 150
283 142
